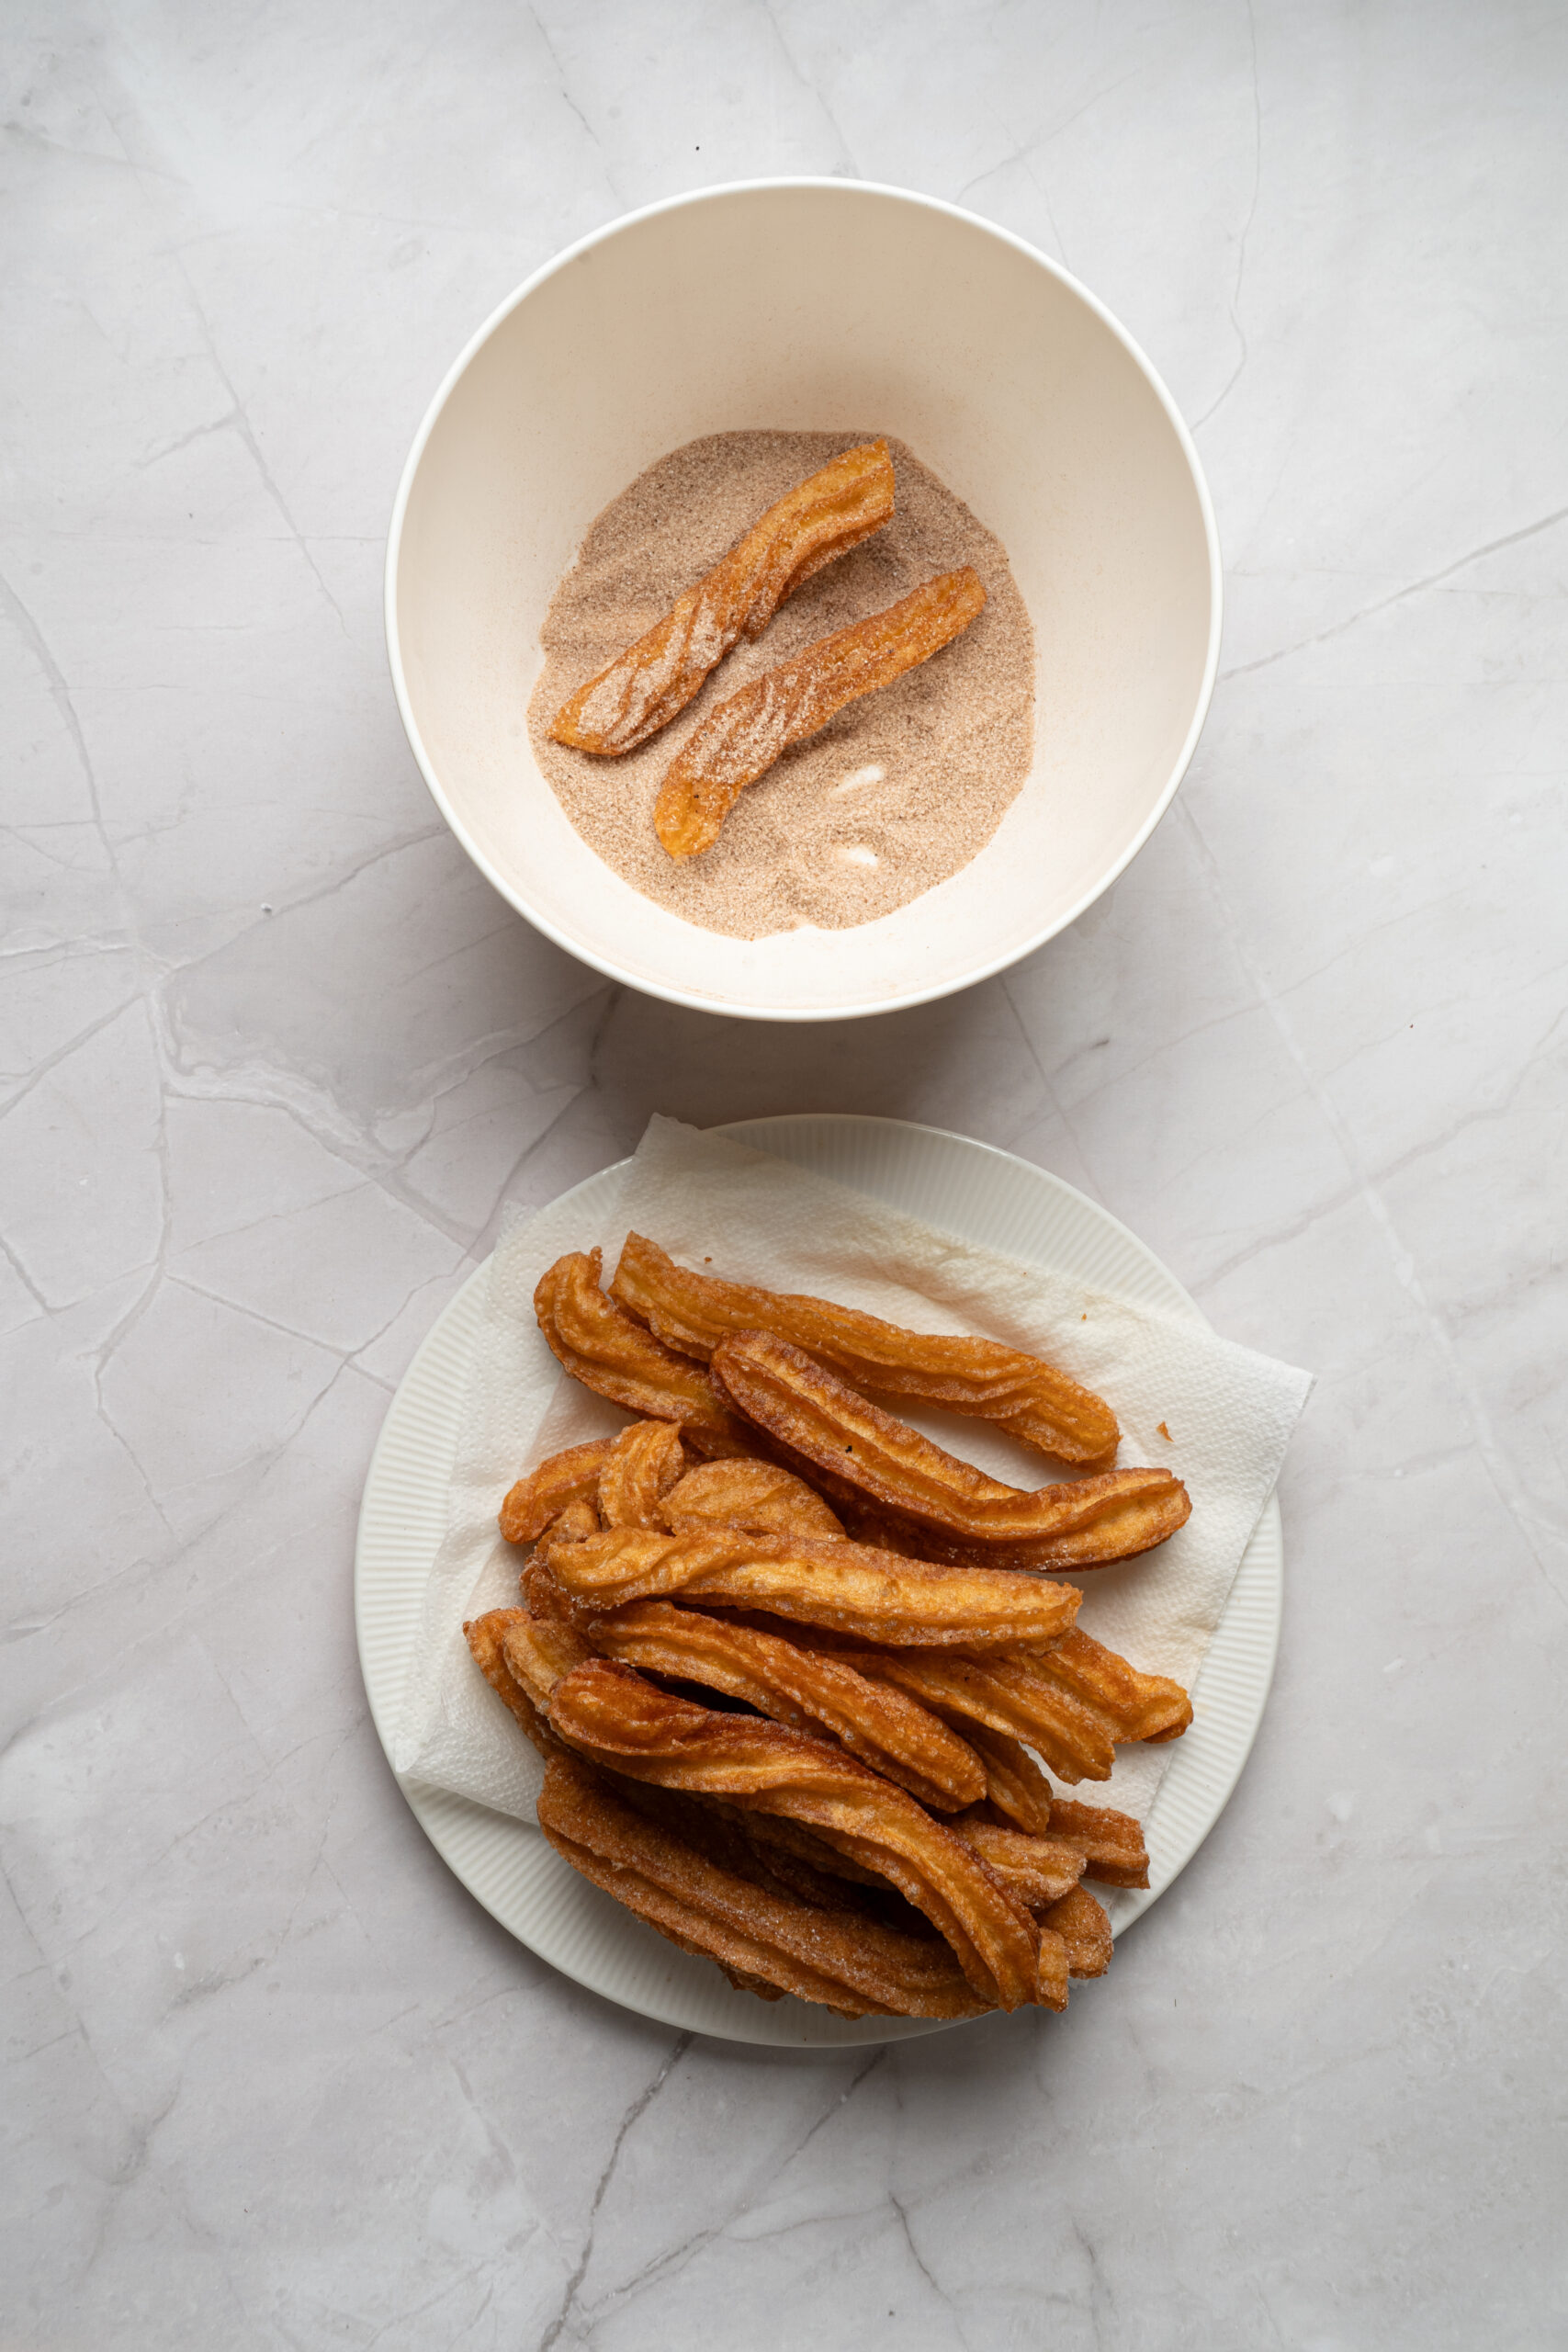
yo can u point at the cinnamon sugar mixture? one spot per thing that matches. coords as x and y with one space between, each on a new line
900 790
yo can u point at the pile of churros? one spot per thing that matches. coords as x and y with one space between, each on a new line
798 1674
651 683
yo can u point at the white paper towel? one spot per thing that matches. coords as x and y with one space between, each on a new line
760 1220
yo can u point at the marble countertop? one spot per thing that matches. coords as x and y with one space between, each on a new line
274 1056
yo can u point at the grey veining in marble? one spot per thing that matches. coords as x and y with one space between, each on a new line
271 1055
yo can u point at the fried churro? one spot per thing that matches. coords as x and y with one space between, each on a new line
1073 1703
600 1345
1111 1843
1039 1869
568 1477
654 679
756 1496
877 1723
874 1596
761 1936
1015 1786
1084 1927
618 1719
486 1638
740 740
1005 1695
881 1778
1030 1399
538 1651
853 1444
1130 1705
643 1463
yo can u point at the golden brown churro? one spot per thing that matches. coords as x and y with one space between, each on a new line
740 740
874 1596
569 1478
1111 1843
1015 1786
1028 1398
1130 1705
647 686
1053 1970
896 1692
600 1346
953 1684
538 1651
819 1418
618 1719
577 1522
761 1935
486 1636
641 1466
1006 1695
756 1496
1073 1703
1040 1871
876 1724
1083 1927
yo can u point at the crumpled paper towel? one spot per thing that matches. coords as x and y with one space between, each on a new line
1230 1413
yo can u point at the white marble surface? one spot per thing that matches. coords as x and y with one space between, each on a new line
273 1055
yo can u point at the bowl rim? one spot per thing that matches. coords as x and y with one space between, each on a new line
604 961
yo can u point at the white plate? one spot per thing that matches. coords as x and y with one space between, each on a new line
970 1189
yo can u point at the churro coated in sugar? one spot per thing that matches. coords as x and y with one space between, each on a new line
747 734
653 680
900 789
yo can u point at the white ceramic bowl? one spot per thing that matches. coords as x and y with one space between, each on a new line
802 304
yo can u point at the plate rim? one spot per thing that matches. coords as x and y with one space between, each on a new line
436 1810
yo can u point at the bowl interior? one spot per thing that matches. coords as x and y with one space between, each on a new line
805 307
